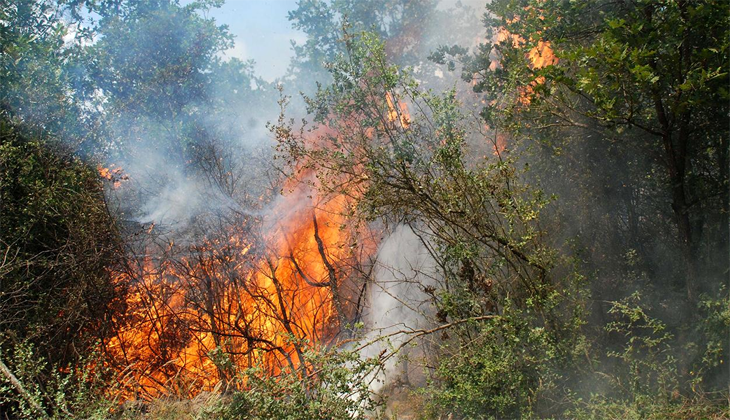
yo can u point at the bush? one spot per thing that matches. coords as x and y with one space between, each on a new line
646 381
334 385
57 244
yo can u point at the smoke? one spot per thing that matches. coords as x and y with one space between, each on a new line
180 177
213 152
187 125
222 165
398 303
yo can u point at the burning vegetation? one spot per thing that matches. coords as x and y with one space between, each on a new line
114 175
254 299
519 216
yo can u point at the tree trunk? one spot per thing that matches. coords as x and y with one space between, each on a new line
676 158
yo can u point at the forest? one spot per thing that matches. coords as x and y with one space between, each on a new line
442 209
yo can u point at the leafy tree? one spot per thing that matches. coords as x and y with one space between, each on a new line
508 304
163 91
151 69
58 242
57 237
643 82
38 58
623 107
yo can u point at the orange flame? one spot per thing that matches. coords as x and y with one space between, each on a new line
237 303
114 175
542 55
539 56
249 299
400 114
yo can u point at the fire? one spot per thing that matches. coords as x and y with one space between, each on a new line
399 114
261 293
539 56
112 174
542 55
237 302
504 35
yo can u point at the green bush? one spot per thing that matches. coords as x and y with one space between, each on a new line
334 385
646 380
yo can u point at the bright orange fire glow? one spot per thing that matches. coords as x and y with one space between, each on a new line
539 56
112 174
399 114
504 35
542 55
238 304
254 296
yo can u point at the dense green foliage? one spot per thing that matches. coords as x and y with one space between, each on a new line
643 84
640 89
154 67
627 125
58 242
36 68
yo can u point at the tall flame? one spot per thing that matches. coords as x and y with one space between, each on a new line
198 313
237 303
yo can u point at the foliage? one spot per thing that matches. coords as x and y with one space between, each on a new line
639 84
54 391
38 66
408 29
334 386
619 108
153 67
715 313
646 380
646 354
505 368
475 218
623 110
58 242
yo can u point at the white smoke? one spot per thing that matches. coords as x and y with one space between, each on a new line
398 303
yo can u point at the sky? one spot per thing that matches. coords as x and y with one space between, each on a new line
263 33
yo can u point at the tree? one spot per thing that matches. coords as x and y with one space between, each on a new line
623 110
38 67
649 77
55 227
152 69
497 284
410 30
